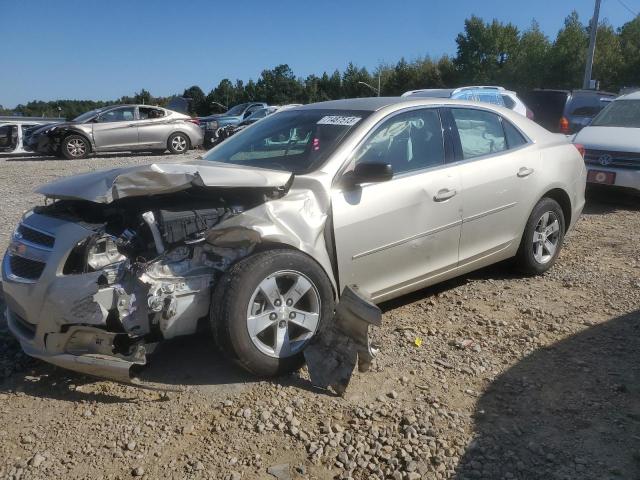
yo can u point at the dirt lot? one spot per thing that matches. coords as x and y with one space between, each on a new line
515 378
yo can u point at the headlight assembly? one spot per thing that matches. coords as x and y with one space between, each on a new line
103 252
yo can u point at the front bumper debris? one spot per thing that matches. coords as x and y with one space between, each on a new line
333 354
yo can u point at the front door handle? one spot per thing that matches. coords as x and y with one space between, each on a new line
132 125
525 172
444 194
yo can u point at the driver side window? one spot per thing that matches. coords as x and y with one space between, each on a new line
124 114
409 141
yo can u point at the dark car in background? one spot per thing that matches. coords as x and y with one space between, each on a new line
236 114
566 111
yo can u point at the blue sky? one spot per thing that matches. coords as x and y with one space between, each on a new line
92 49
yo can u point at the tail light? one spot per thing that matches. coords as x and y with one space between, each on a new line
530 115
580 149
195 121
564 126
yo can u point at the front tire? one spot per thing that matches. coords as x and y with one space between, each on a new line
75 147
266 309
542 238
178 143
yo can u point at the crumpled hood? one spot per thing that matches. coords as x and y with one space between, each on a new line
46 126
618 139
105 186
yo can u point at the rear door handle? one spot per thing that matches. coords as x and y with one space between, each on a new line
525 172
444 194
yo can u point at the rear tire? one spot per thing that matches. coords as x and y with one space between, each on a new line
542 238
260 321
178 143
75 147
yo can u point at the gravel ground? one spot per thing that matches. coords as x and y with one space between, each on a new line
514 378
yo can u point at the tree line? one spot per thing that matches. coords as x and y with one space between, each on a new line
488 53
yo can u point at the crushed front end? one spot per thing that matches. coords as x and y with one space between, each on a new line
94 287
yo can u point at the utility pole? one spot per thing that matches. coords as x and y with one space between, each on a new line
586 84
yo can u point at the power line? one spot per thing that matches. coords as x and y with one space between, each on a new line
628 8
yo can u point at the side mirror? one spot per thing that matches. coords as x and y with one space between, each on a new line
96 120
371 173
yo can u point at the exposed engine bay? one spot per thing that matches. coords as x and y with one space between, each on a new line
156 259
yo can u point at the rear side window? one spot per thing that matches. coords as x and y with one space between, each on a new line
587 111
587 104
514 137
148 112
480 132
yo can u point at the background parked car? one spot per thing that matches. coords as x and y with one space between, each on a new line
566 111
487 94
213 138
14 130
118 128
233 116
612 144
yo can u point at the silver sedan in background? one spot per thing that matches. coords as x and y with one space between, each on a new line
118 128
260 238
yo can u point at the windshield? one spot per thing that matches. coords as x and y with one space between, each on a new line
237 110
87 115
621 113
295 141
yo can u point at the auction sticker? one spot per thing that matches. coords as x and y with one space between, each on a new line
339 120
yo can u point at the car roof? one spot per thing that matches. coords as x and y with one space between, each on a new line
430 92
630 96
368 103
373 104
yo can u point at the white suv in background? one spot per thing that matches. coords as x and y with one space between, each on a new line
481 93
612 144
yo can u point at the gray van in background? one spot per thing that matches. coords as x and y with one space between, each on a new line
566 111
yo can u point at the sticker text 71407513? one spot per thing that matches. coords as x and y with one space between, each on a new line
339 120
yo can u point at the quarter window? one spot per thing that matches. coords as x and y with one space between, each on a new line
514 137
508 101
408 141
480 132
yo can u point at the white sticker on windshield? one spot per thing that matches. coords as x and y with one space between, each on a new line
339 120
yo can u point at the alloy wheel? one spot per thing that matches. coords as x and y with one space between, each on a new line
546 237
179 143
283 314
76 147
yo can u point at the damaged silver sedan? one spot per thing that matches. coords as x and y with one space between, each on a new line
259 238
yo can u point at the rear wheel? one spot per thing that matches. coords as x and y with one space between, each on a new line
178 143
75 147
542 238
267 307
